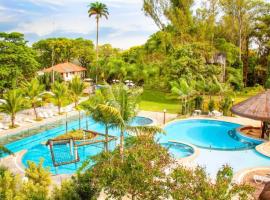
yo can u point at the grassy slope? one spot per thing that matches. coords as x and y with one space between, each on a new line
153 100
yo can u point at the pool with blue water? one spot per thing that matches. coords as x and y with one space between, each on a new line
218 142
36 149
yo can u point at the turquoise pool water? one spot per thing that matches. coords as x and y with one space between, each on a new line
209 134
36 148
233 150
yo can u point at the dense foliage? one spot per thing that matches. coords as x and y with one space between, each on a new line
17 60
145 174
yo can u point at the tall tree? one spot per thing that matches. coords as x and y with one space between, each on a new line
33 92
102 96
76 87
13 103
123 108
60 94
17 60
99 10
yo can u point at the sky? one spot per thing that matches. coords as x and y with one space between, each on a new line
127 25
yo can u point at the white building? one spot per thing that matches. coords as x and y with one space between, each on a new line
67 70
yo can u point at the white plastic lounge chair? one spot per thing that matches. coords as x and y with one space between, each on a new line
196 113
50 112
29 120
216 113
261 179
46 115
41 114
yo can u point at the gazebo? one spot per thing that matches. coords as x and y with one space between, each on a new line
256 107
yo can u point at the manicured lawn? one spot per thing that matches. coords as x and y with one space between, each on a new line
158 101
153 100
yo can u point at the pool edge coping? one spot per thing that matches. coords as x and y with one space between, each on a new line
188 159
238 177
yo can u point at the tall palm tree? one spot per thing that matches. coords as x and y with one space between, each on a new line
13 103
122 108
76 87
60 94
102 96
99 10
33 91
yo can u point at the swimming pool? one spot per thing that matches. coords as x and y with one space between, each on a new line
209 134
217 145
36 148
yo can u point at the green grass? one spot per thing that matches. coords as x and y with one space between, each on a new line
153 100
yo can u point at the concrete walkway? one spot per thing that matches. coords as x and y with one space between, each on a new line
36 124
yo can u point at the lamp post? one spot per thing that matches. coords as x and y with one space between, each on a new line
164 116
66 123
79 119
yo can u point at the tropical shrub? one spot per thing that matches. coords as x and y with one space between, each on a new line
225 105
36 186
76 135
198 102
140 175
267 83
211 105
47 80
13 103
195 184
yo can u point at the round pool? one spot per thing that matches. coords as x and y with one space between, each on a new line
210 134
141 121
179 150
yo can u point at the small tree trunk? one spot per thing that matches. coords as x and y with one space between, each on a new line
133 197
35 111
59 109
122 145
13 120
106 138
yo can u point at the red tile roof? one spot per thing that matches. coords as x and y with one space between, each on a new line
65 67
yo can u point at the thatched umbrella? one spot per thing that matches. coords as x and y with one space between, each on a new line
256 107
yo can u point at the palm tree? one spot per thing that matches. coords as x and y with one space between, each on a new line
13 103
76 87
122 108
60 94
184 91
33 91
102 96
99 10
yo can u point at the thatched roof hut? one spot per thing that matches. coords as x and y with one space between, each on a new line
256 107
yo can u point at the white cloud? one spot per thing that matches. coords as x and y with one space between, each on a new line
126 26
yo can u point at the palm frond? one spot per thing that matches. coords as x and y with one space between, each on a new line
144 130
113 112
4 150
